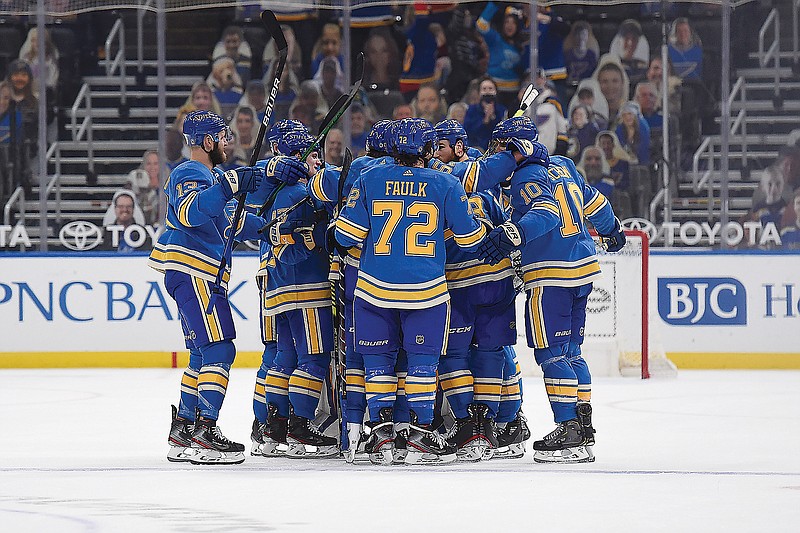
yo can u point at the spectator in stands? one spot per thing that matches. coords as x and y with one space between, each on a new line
589 94
654 76
173 145
647 98
552 31
429 104
245 127
402 111
481 118
145 183
582 131
328 45
359 127
234 46
330 73
548 115
20 79
334 147
29 53
685 50
201 97
294 57
613 82
123 211
581 52
790 233
617 157
505 51
422 26
226 85
309 107
467 50
457 111
255 97
381 61
473 93
634 134
11 135
631 48
771 205
594 167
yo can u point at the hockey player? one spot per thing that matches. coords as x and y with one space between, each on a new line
188 253
482 314
550 200
400 214
298 296
269 337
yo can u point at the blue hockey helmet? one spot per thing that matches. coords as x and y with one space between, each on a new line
516 128
452 130
295 141
413 136
198 124
378 137
282 128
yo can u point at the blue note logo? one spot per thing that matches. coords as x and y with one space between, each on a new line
702 301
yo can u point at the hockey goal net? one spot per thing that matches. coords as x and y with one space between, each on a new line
620 337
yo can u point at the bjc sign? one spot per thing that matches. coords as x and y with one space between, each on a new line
702 301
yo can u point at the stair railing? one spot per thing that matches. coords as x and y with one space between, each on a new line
140 13
86 126
118 63
796 31
16 198
773 53
55 181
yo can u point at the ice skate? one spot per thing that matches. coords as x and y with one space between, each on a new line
511 439
584 410
213 447
474 436
305 440
180 439
257 437
565 444
356 439
274 433
400 446
380 440
426 446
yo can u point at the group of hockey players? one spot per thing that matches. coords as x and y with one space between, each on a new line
403 269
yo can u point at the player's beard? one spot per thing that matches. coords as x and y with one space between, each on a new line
217 155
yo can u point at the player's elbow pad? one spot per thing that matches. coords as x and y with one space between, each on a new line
211 202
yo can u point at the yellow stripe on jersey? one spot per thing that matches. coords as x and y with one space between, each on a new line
472 273
472 238
377 387
313 331
351 229
183 208
312 298
173 257
537 318
597 202
546 206
211 321
470 180
315 185
563 276
401 293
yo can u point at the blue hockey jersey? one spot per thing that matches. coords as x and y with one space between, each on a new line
479 174
550 205
198 221
400 214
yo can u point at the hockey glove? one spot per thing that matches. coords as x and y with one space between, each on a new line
286 170
616 240
284 232
241 180
501 241
534 152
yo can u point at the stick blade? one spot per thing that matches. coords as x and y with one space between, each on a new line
359 68
273 27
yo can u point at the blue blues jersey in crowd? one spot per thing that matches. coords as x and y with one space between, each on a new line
297 270
550 205
198 220
505 59
400 215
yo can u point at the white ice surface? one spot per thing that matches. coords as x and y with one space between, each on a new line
85 450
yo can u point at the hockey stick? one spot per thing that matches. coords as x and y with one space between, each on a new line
339 363
273 29
527 99
338 109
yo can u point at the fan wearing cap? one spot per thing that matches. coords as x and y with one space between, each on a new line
189 252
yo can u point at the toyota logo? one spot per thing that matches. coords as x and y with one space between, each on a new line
80 236
643 225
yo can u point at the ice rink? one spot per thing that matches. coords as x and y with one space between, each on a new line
85 450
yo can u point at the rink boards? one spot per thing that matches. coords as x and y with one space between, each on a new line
707 310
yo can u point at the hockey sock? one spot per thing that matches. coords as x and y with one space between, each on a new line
560 381
421 385
188 402
456 380
581 370
259 398
511 389
380 381
212 381
305 384
356 392
276 389
401 412
486 365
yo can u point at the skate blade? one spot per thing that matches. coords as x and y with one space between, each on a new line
181 454
472 452
576 454
214 457
297 450
399 457
420 458
512 451
382 458
273 449
257 448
